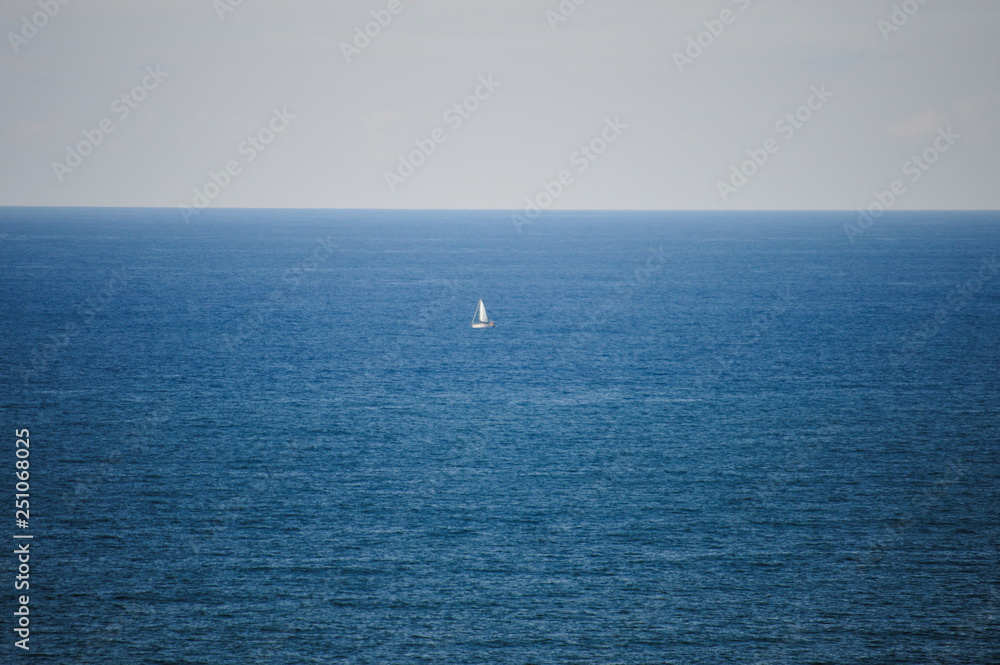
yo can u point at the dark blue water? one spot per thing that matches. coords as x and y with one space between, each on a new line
273 437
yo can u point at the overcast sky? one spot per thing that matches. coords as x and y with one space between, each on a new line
667 120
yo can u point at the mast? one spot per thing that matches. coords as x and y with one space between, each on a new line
480 319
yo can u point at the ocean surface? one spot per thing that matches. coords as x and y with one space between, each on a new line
273 437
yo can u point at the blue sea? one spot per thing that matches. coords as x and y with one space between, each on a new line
272 436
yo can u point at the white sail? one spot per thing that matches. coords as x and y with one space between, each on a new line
479 319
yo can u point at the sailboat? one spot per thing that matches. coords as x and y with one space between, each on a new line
479 319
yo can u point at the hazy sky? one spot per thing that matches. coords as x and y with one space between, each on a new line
153 96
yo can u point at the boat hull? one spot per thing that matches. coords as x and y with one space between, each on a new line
483 325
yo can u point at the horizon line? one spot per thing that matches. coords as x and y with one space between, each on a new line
507 210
